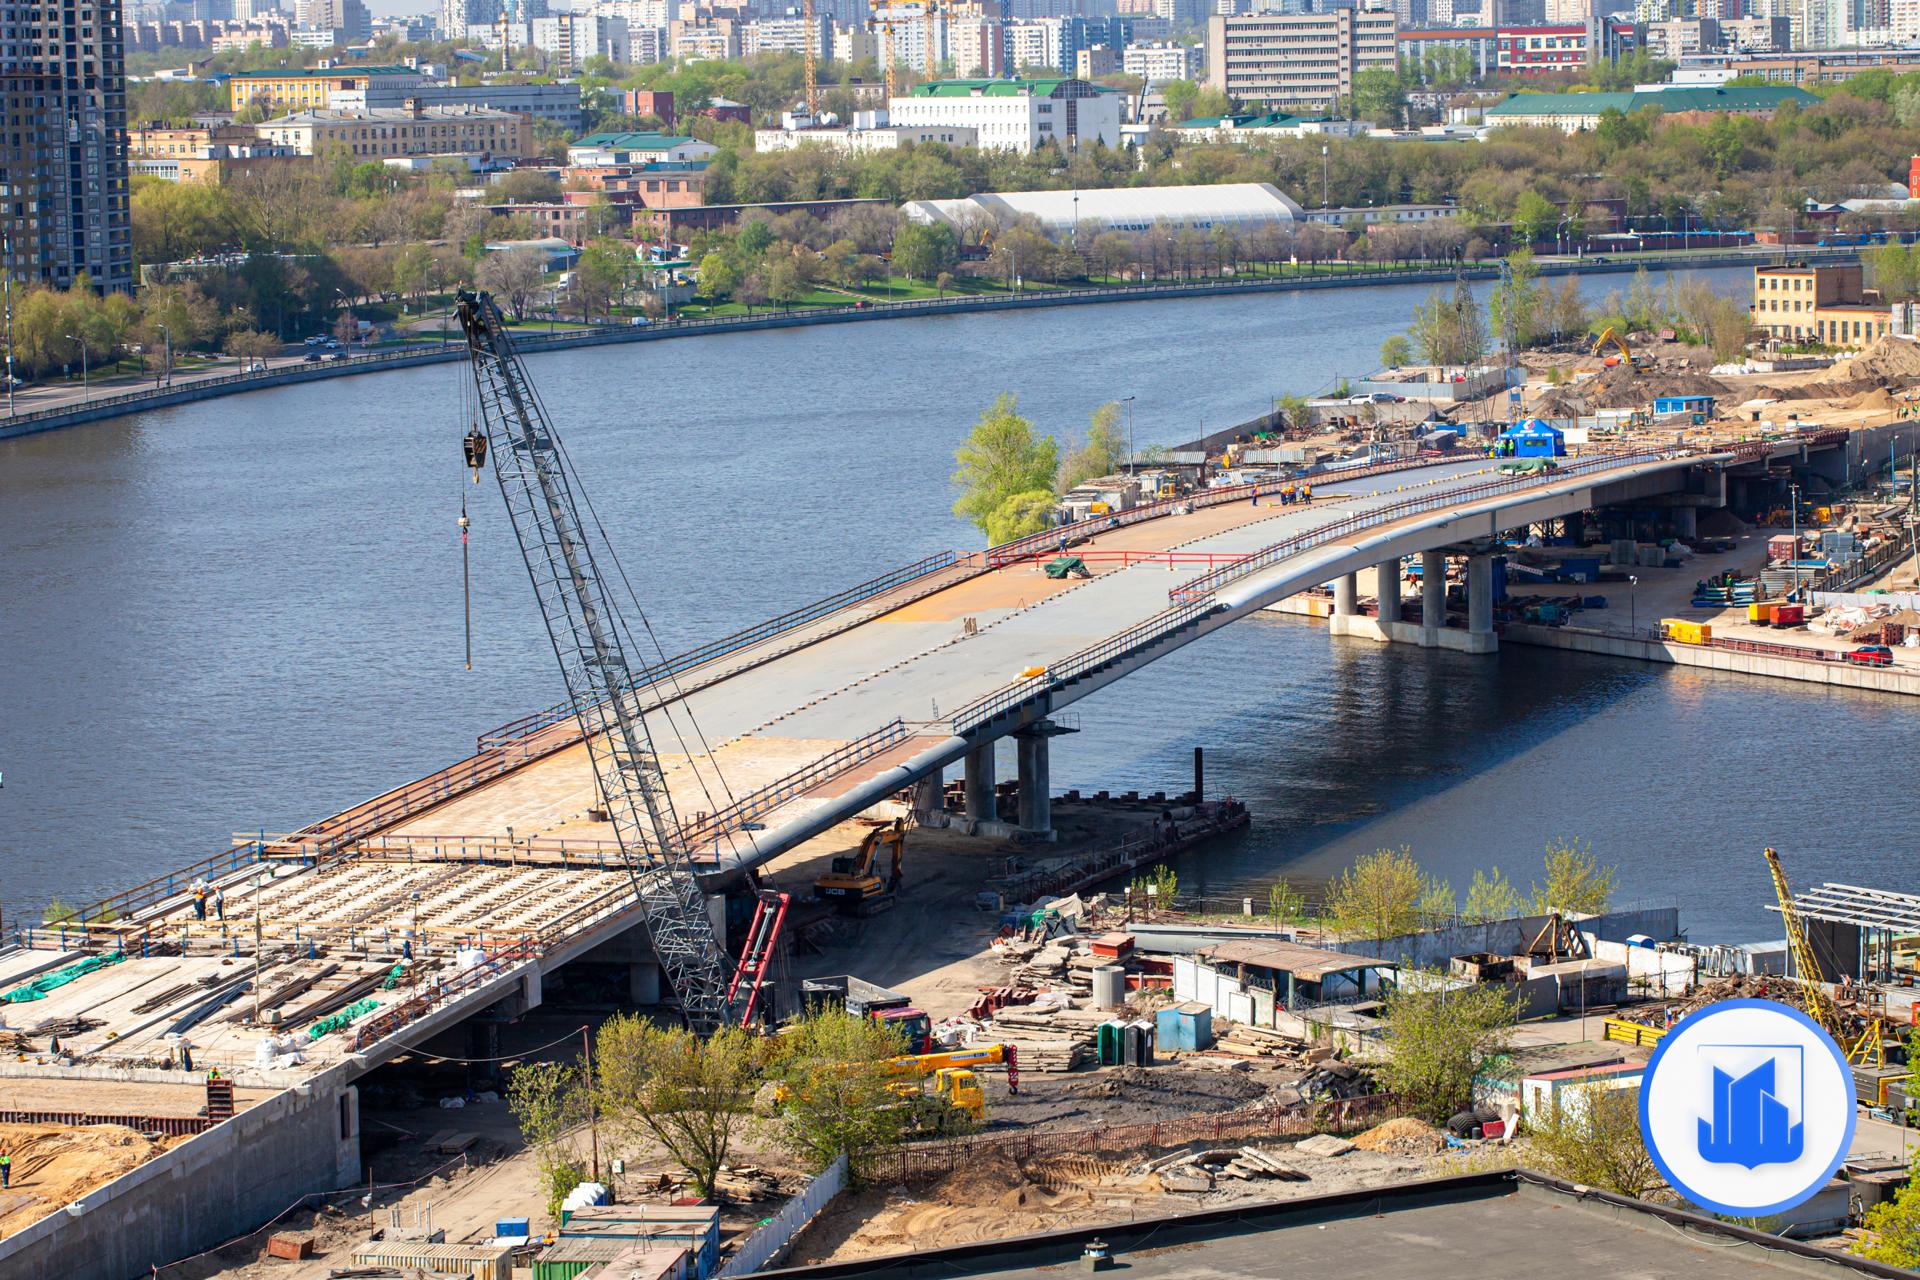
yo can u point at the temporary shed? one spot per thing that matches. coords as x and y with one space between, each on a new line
1536 438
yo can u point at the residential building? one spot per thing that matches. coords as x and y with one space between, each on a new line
717 40
558 104
347 20
636 148
63 151
413 130
1828 66
978 47
296 89
457 15
1819 304
1481 44
1238 205
639 13
676 225
1307 59
1090 64
572 38
788 35
646 102
1675 38
869 131
667 184
857 44
1533 51
1159 63
1016 115
1574 112
1755 34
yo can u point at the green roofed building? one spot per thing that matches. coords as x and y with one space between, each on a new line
1016 115
1573 112
597 149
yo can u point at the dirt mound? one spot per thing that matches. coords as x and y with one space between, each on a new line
1878 400
54 1166
1622 387
1889 360
1402 1135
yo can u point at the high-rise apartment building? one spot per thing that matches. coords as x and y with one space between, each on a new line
64 150
1306 60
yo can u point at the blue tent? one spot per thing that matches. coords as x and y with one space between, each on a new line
1534 438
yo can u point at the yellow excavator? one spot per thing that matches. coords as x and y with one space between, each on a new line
854 885
1610 337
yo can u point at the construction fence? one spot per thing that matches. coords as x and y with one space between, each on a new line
765 1245
1288 1120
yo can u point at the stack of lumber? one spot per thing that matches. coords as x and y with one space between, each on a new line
1198 1170
745 1182
1258 1042
1046 1041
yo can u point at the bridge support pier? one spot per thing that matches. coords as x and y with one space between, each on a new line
1387 591
1433 597
643 982
979 784
1480 636
1686 523
930 800
1346 592
1036 781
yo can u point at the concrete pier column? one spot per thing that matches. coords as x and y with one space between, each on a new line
1433 596
1387 589
1346 590
643 982
1036 782
1686 522
979 787
929 797
1480 637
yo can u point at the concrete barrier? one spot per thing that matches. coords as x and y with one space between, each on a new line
1842 674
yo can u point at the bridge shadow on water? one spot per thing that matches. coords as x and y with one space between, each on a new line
1343 746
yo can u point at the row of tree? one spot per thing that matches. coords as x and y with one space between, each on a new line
1010 477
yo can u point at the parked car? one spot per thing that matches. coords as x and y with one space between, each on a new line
329 344
313 357
1871 655
316 340
1375 397
334 355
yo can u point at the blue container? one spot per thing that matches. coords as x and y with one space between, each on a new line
1184 1027
512 1227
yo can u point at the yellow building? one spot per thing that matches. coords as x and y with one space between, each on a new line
412 130
1826 304
306 89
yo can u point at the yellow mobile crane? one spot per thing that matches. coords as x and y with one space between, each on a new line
1869 1043
953 1077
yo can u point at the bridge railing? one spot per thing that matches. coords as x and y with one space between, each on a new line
710 828
125 903
1207 583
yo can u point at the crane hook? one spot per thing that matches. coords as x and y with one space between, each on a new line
475 448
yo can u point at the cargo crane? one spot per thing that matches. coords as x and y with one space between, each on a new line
1819 1004
591 642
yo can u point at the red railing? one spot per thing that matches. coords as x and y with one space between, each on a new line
1127 559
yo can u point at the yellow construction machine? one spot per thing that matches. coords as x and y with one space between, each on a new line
854 884
1868 1044
1610 337
954 1080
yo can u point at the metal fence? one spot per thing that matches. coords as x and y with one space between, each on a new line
778 1232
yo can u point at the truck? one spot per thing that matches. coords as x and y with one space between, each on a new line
865 999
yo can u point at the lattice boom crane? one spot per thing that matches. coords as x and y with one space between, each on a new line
590 640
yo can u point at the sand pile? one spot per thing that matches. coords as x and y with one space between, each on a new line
1887 360
1402 1135
1878 400
53 1166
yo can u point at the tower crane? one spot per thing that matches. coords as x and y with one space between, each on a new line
887 21
809 57
591 642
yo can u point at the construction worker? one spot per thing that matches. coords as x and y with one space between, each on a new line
6 1168
200 901
1306 494
219 904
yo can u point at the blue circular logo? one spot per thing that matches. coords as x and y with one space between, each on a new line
1747 1107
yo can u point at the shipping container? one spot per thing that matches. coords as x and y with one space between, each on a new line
480 1261
1685 632
565 1259
692 1227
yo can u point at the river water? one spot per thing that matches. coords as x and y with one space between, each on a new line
246 613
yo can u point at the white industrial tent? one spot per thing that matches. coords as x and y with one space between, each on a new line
1239 205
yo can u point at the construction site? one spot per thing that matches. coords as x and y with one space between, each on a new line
287 1058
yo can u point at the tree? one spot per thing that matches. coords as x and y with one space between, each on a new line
691 1094
1592 1138
1019 515
1377 96
1893 1226
1576 882
1517 298
717 277
921 251
1378 896
528 186
547 1100
1001 458
1284 902
1179 96
1104 453
1395 351
1643 305
1492 897
751 292
1448 329
1439 1038
513 275
1534 218
831 1067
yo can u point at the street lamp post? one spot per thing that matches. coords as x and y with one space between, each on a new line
1131 455
1633 605
166 359
1793 496
86 392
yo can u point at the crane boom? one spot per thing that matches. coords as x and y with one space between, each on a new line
587 634
1818 1004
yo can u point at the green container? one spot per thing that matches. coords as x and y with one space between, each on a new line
1107 1040
565 1259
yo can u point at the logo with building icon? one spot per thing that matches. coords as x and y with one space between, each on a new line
1756 1106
